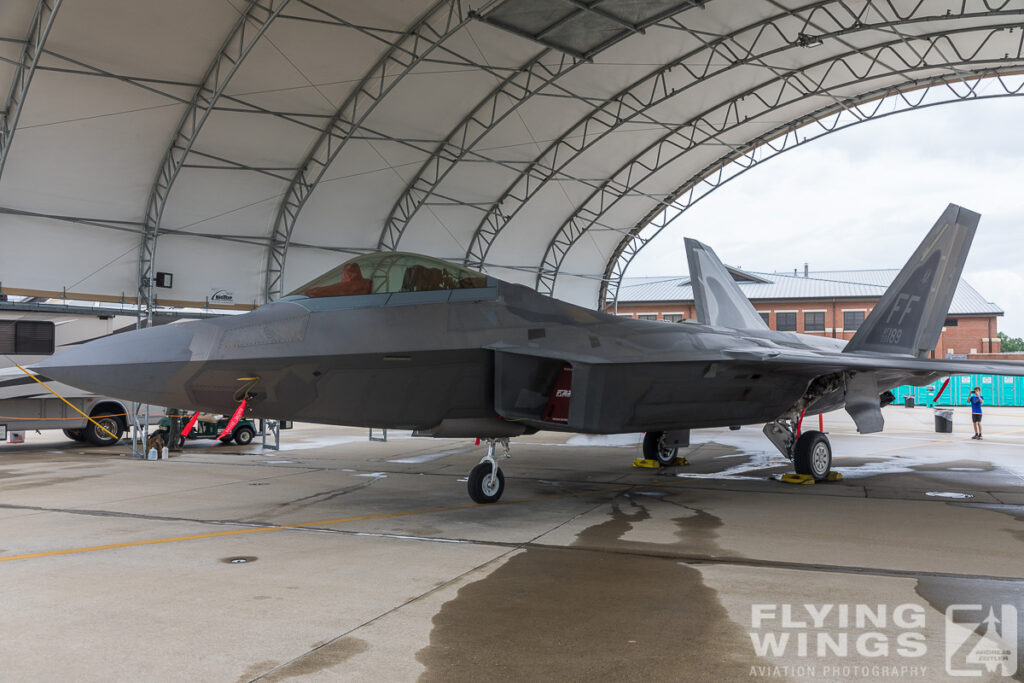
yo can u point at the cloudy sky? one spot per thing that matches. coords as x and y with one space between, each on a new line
865 197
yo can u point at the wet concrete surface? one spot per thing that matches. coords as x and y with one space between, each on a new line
367 561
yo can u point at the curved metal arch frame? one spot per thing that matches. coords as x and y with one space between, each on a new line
701 128
736 49
443 19
247 31
501 102
39 31
828 120
514 91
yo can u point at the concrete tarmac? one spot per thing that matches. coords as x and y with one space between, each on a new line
340 559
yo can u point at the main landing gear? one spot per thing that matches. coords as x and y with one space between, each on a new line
811 451
656 447
486 483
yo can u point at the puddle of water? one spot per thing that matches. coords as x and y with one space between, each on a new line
948 494
615 440
417 459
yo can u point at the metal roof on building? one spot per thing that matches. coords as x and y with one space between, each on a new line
831 284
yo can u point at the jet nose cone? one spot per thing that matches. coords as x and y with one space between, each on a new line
134 365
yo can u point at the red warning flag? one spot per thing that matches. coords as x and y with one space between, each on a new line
233 422
191 424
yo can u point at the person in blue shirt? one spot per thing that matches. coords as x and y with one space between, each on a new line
976 402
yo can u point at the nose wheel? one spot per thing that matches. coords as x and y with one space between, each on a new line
486 482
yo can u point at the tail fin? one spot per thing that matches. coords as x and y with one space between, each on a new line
909 317
718 298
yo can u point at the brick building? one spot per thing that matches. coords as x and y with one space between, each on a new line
828 303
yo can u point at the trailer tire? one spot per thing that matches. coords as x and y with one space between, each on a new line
98 437
74 434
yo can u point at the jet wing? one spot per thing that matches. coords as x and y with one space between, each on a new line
789 359
862 362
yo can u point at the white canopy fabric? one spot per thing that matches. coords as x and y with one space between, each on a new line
246 146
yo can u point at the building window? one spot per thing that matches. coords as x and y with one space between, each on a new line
647 316
852 320
672 317
785 322
765 316
814 321
951 322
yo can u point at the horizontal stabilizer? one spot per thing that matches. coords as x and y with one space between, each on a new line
909 317
718 298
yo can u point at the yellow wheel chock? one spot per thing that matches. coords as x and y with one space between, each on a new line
807 479
654 464
800 479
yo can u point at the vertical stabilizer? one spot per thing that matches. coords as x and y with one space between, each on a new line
718 298
909 317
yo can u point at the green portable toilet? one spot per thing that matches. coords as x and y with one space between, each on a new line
962 390
1013 391
988 389
1007 391
947 396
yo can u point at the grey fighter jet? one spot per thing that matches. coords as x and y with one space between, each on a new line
410 342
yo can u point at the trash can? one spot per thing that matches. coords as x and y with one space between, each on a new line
944 421
908 402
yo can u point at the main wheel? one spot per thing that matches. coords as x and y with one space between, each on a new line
656 449
813 455
244 435
74 434
482 488
98 437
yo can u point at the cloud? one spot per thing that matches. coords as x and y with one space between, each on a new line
864 197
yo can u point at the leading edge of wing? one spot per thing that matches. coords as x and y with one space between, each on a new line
786 359
861 362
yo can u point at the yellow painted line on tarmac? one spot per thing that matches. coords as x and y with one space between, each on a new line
411 513
326 522
231 532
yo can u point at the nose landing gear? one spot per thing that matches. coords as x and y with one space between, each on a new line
486 482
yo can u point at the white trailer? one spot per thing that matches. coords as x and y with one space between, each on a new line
28 336
26 406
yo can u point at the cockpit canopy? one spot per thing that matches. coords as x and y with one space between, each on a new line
389 272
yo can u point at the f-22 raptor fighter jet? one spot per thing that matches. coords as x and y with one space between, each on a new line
409 342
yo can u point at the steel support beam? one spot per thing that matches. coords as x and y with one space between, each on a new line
875 105
248 31
818 79
511 93
39 31
516 89
441 21
752 44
